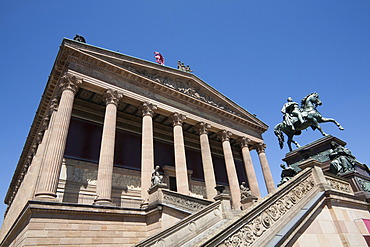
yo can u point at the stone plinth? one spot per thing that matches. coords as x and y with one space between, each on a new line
248 201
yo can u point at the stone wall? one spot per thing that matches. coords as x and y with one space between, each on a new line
334 226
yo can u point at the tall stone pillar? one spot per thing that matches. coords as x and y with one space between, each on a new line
105 169
147 148
180 158
52 161
209 174
232 176
265 167
249 169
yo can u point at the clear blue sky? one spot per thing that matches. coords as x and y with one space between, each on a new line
257 53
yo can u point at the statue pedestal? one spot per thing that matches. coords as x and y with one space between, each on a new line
248 201
318 150
317 154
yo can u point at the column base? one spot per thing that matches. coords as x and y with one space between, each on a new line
45 196
103 202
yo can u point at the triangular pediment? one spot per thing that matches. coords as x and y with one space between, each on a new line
184 82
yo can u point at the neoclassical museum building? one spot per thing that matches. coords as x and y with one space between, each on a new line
106 120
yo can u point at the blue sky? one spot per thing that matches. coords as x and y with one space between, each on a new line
257 53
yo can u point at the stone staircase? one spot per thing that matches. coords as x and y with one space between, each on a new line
272 221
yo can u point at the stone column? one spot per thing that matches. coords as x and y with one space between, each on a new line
209 174
249 169
52 162
105 169
232 176
265 167
180 158
147 148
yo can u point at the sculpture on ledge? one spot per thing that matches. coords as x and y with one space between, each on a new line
244 191
156 177
297 119
342 160
286 174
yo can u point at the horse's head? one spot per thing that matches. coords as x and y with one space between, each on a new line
311 100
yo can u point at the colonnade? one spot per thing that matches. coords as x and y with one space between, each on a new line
54 151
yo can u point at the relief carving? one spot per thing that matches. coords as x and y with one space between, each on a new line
252 230
339 185
119 180
184 203
181 87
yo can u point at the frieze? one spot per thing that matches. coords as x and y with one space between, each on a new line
252 230
339 185
183 202
119 180
181 87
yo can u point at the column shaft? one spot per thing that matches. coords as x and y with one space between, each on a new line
58 136
147 155
266 169
105 171
180 161
232 176
251 174
209 174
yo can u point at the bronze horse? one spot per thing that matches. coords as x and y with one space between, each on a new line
311 118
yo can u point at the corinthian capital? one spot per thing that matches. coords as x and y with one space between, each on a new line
147 109
112 97
244 141
70 82
177 119
202 128
261 147
225 135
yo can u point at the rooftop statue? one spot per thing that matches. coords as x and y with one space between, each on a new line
342 160
298 118
79 38
181 66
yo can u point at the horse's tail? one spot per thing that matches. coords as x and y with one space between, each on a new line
278 132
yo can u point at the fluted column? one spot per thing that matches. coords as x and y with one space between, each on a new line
249 169
209 174
147 147
52 163
105 169
265 167
232 176
180 158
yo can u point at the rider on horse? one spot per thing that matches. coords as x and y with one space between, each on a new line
291 110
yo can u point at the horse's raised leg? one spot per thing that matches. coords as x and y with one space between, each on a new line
323 120
317 125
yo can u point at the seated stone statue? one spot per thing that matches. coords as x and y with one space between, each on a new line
156 177
342 160
244 191
286 174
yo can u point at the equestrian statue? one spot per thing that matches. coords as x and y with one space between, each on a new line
298 118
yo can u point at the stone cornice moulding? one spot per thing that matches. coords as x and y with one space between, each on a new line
79 56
